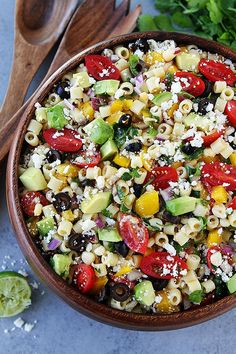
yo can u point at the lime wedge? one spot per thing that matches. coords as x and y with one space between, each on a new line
15 294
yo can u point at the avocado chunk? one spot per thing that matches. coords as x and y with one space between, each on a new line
56 117
108 87
96 204
108 150
33 179
197 121
188 61
144 293
61 264
110 234
161 98
181 205
231 284
82 79
99 131
45 225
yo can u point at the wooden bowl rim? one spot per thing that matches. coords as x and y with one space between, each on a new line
83 304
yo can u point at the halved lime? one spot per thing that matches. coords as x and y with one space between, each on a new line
15 294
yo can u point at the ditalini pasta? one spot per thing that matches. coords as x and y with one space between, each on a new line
128 177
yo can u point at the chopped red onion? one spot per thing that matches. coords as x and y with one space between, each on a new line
91 93
53 244
68 104
99 222
166 194
227 249
97 102
139 79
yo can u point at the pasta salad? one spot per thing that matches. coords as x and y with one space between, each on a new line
128 177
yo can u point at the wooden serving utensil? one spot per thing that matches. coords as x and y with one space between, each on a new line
101 19
38 25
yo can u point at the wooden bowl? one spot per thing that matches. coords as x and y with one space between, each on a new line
69 294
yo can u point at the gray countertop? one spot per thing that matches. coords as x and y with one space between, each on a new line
60 329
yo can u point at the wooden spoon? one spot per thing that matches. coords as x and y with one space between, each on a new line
38 25
75 39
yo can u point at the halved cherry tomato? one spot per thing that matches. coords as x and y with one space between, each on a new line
133 232
101 67
209 139
230 110
87 159
232 204
30 199
210 252
162 265
195 86
66 140
161 176
216 71
217 173
84 277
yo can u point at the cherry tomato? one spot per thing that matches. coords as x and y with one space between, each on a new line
66 140
209 139
162 265
101 67
133 232
123 279
217 173
232 204
161 176
84 277
195 86
216 71
230 110
210 252
87 159
30 199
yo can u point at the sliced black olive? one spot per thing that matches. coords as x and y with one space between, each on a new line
88 183
208 87
121 248
74 202
77 243
103 294
188 149
159 284
203 103
120 292
134 147
137 189
125 120
168 217
62 201
53 155
60 89
140 44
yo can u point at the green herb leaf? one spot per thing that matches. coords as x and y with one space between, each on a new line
124 209
135 173
163 22
133 132
196 296
214 11
107 213
133 62
120 193
126 176
182 20
146 23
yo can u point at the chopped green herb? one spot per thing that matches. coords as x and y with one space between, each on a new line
120 193
133 62
107 213
124 209
196 296
126 176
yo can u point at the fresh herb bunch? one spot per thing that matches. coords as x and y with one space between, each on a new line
211 19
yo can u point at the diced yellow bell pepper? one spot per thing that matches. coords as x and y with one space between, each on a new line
184 49
213 238
116 106
172 69
147 164
177 164
145 112
63 179
123 270
99 284
67 170
127 104
88 110
122 161
172 109
219 194
68 215
147 204
233 158
165 305
209 159
152 57
114 118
